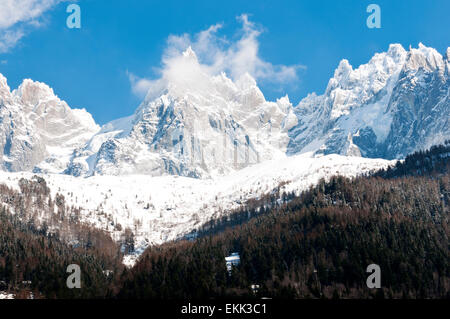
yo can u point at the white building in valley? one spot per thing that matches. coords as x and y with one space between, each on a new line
233 260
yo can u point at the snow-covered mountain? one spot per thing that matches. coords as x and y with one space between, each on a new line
37 129
395 104
200 125
197 125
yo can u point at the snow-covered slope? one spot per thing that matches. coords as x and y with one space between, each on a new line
395 104
162 208
195 125
38 131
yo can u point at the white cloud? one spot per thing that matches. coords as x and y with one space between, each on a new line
217 54
17 16
140 86
9 38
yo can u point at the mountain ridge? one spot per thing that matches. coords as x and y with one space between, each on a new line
195 124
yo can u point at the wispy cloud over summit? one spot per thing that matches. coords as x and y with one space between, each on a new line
216 54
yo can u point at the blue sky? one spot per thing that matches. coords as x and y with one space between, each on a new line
91 67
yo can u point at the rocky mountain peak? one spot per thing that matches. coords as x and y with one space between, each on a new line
425 58
32 92
389 107
396 51
38 131
5 91
190 54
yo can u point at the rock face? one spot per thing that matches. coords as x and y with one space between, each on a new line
395 104
197 125
38 131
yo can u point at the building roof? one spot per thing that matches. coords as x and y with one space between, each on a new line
233 257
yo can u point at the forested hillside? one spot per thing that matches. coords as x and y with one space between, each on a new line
318 244
423 163
41 236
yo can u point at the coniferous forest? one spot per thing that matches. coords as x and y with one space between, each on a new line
317 244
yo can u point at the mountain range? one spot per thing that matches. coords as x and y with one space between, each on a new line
205 126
